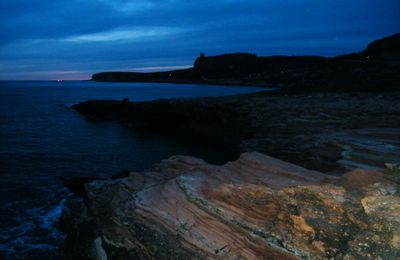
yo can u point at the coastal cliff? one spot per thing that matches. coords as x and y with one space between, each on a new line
375 68
256 207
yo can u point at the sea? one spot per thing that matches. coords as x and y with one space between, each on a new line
43 141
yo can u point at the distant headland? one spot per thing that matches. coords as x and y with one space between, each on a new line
375 68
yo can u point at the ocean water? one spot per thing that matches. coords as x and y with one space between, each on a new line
42 140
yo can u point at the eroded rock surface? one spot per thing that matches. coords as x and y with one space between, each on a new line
257 207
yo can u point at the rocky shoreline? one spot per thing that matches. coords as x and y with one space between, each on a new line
321 131
258 206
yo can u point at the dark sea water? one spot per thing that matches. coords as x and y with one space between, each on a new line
42 141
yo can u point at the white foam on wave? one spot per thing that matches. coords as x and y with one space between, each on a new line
53 215
21 239
17 231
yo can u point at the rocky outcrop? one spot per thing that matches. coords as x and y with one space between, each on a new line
256 207
386 48
200 118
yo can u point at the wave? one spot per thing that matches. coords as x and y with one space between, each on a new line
35 235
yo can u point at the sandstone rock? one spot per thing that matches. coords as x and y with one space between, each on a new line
256 207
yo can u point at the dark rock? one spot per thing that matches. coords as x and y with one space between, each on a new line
77 184
122 174
322 131
385 48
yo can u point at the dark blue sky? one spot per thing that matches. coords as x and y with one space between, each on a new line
71 39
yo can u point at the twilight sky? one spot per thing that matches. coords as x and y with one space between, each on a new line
71 39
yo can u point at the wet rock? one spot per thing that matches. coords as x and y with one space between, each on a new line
257 207
77 184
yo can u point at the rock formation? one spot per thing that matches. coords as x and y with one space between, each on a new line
256 207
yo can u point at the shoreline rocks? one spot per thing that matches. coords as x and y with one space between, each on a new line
322 131
255 207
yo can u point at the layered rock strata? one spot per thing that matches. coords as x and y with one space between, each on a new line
256 207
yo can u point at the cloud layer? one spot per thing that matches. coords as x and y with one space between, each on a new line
50 39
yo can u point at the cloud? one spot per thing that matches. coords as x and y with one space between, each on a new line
127 6
126 34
